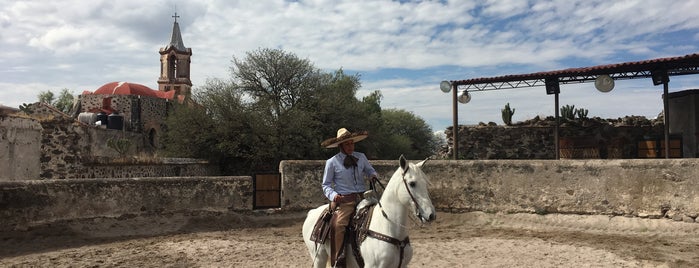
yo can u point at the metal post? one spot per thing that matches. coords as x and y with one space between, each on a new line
455 117
555 133
666 118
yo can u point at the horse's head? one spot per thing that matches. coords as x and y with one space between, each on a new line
414 193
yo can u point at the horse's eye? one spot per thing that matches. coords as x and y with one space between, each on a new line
412 184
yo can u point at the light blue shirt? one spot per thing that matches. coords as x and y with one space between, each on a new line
340 180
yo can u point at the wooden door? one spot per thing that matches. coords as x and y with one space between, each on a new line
267 190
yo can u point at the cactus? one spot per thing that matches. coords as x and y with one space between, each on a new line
26 108
507 114
121 146
582 113
568 112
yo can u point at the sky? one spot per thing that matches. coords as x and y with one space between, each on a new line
401 48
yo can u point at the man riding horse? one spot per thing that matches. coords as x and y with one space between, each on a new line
343 185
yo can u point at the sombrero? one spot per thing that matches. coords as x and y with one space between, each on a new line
344 135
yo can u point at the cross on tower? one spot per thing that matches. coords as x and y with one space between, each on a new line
175 16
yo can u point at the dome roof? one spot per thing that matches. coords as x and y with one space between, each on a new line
126 88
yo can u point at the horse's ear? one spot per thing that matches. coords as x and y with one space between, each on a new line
423 162
403 163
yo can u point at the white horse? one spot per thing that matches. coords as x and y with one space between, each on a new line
405 196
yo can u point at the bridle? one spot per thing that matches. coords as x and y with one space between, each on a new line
410 193
401 244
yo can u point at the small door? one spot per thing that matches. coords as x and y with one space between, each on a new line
656 148
267 190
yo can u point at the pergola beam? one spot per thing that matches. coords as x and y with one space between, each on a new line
567 79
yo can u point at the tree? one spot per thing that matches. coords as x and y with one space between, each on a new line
277 82
276 78
407 134
276 107
189 133
46 97
64 103
373 121
335 106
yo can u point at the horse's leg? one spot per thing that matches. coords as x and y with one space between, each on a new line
379 253
319 253
408 256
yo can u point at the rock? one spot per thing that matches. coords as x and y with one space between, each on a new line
687 219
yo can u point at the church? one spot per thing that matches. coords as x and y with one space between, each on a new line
138 108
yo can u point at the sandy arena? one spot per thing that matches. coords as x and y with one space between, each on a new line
274 240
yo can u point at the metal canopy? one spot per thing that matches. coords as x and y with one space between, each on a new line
658 69
674 66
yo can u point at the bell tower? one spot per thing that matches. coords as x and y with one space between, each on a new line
174 65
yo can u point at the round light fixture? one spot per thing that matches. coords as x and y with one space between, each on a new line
604 83
445 86
464 97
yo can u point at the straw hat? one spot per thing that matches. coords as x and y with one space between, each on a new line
344 135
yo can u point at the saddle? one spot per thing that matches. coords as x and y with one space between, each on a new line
357 230
321 230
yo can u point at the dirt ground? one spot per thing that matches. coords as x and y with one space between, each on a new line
472 239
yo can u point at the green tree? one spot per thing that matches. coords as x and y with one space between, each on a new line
190 132
276 107
277 83
372 120
46 97
407 134
64 102
275 78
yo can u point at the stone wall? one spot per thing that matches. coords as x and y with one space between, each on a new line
633 187
141 113
20 147
653 188
24 204
301 180
593 139
58 147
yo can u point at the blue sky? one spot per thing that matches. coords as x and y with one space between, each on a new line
404 49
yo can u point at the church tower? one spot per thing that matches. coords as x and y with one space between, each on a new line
174 65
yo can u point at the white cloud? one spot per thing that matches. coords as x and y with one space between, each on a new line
82 45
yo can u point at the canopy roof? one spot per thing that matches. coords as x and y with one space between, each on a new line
683 65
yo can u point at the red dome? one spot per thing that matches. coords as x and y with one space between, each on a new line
126 88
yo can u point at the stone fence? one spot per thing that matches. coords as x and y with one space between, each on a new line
24 204
654 188
632 187
60 148
590 139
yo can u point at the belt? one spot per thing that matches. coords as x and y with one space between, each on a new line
355 196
